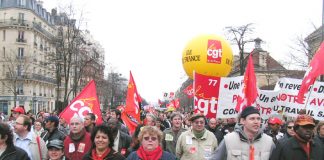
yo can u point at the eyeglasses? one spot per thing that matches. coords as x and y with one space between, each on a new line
198 122
17 123
148 138
75 124
290 127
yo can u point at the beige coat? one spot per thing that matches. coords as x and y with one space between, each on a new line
191 148
33 146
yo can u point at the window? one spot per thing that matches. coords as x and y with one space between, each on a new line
20 52
19 70
21 18
20 88
21 36
4 52
22 3
3 35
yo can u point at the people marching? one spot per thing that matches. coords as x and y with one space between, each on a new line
162 135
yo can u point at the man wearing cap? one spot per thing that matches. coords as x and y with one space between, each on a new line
196 143
274 124
18 110
51 130
247 141
301 146
55 150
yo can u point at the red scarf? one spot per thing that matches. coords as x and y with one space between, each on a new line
97 157
149 155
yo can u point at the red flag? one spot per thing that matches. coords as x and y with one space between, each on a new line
171 95
189 91
131 114
86 102
314 70
250 91
176 103
160 102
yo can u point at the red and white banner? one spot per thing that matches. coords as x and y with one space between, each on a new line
189 91
131 114
86 102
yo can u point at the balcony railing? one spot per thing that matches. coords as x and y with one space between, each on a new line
31 76
25 23
19 40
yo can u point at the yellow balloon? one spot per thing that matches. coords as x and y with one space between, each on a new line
209 55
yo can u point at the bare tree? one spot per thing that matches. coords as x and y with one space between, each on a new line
238 36
17 72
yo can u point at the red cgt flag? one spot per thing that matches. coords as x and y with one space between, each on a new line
131 114
176 103
250 91
314 70
86 102
189 91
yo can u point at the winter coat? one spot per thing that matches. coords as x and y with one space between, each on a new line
170 139
165 156
292 150
81 147
13 153
55 134
113 155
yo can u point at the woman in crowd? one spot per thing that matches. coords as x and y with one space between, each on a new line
38 128
150 149
320 132
7 149
159 124
102 142
56 150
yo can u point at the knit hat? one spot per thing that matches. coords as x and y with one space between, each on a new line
275 120
304 119
53 119
249 110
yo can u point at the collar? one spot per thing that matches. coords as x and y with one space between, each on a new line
193 135
118 135
28 137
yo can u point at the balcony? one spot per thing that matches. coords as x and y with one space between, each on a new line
30 76
20 40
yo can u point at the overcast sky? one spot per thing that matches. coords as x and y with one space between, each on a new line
148 36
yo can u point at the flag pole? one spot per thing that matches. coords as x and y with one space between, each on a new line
309 94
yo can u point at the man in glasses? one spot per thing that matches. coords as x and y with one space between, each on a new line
78 143
198 142
302 145
247 141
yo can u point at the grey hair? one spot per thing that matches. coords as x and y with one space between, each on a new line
77 118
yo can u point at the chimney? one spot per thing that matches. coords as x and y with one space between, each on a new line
257 43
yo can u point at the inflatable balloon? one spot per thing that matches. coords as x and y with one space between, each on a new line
209 55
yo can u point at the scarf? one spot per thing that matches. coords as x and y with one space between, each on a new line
77 136
149 155
304 144
97 157
199 134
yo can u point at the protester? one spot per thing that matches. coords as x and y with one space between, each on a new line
212 127
89 122
159 125
8 151
274 124
27 140
15 112
56 150
150 139
38 128
78 143
165 122
51 130
117 114
320 133
301 146
172 134
103 142
228 126
247 141
289 131
122 141
196 143
64 126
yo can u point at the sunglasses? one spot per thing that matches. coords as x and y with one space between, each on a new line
148 138
290 127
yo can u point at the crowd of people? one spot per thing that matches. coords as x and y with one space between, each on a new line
161 136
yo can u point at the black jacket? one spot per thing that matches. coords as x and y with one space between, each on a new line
124 144
218 134
13 153
113 155
291 150
56 134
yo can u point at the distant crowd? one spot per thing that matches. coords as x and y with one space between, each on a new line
167 135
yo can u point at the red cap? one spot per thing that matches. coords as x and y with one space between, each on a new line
19 110
274 120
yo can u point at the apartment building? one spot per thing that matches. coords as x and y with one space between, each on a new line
27 76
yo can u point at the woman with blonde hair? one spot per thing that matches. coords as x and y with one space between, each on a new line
150 139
